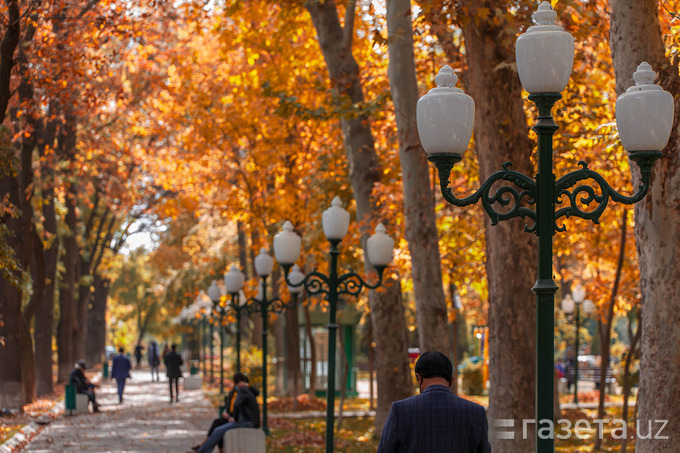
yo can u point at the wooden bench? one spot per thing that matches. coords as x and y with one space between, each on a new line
245 440
591 373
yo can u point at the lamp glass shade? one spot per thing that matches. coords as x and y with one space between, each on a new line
445 116
295 276
214 292
264 263
588 306
287 244
568 305
544 54
644 113
335 220
578 293
380 247
233 280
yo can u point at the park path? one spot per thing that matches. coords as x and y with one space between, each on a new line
145 422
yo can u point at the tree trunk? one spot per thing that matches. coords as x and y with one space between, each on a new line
293 353
9 43
67 293
604 327
84 296
387 311
500 135
635 339
96 322
44 318
11 393
421 229
635 36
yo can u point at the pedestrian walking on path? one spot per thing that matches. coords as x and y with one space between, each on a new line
173 362
154 360
120 371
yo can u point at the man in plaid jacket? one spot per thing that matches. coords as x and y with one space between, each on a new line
436 421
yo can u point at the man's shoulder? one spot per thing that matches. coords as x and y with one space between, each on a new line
444 395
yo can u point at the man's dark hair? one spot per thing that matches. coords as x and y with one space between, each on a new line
173 347
121 349
434 364
240 377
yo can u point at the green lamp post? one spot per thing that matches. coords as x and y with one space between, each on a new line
445 116
287 245
571 304
233 282
215 294
264 263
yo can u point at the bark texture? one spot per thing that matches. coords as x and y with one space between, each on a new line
635 36
500 135
387 311
421 227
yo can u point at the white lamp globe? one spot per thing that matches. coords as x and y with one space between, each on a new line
295 277
568 304
264 263
287 244
544 54
380 247
578 293
644 113
589 306
335 220
214 292
445 116
233 280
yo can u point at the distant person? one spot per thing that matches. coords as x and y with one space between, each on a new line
436 421
120 371
154 360
138 354
241 411
166 351
173 362
83 384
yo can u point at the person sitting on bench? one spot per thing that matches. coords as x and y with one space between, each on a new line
83 385
241 411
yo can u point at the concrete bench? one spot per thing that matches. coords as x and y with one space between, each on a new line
75 403
245 440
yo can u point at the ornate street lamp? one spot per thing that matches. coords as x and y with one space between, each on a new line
233 282
264 263
287 243
215 294
202 314
570 304
544 54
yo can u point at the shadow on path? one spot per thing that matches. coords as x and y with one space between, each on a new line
145 422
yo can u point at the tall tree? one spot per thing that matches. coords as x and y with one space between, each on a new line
387 312
500 135
421 228
635 36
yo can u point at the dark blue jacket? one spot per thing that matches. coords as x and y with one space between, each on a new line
120 368
436 421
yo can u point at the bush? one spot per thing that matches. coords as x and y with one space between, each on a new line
473 378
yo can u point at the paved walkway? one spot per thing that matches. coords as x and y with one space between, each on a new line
145 422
